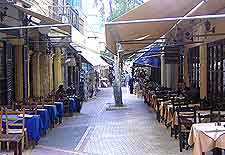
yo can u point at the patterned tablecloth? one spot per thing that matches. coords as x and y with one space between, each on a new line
206 136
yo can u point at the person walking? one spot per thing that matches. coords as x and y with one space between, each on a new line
110 77
131 85
127 79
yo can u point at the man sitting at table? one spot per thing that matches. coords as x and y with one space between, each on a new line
61 91
70 90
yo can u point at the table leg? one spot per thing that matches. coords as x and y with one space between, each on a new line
60 120
20 147
15 148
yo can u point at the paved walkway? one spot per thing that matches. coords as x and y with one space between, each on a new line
132 131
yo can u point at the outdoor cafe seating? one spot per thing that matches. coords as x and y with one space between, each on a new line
24 122
199 123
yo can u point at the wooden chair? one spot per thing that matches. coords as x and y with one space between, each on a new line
205 118
177 103
14 138
15 122
186 117
30 107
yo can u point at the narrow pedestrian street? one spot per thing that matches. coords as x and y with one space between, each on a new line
96 131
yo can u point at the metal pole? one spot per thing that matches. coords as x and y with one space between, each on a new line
166 19
31 27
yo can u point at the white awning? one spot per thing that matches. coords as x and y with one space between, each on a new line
149 10
93 58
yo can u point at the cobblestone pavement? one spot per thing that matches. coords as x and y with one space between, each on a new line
131 131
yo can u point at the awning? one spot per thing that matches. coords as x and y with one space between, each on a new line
209 7
44 19
146 59
93 58
150 9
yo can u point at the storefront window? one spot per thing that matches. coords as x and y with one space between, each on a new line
216 69
194 67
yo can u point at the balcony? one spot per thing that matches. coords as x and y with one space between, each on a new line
65 14
25 3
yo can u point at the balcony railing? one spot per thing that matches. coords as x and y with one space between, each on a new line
65 14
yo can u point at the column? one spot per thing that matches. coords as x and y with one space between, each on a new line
36 74
203 70
19 72
163 71
50 72
117 82
28 77
203 65
44 76
57 69
186 67
168 76
62 64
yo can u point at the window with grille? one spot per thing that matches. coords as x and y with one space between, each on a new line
216 69
194 67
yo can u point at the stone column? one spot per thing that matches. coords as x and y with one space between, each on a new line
203 70
44 76
186 67
36 74
168 76
50 72
163 71
28 77
57 69
19 72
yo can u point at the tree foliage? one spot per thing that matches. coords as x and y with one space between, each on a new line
116 7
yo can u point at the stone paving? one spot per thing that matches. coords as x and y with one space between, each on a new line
131 131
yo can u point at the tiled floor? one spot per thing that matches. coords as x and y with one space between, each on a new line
131 131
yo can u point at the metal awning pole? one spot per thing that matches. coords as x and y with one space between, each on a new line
166 19
31 27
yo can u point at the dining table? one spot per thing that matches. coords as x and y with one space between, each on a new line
33 123
60 110
72 104
52 110
44 115
206 137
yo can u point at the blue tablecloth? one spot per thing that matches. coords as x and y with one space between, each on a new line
52 111
33 124
60 109
72 105
44 115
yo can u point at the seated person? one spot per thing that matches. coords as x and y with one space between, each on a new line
70 90
61 91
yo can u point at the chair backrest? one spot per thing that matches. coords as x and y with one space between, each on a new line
186 116
217 115
205 118
31 107
179 103
15 120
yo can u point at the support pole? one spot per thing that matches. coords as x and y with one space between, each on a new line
117 91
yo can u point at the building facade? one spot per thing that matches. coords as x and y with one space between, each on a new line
35 61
